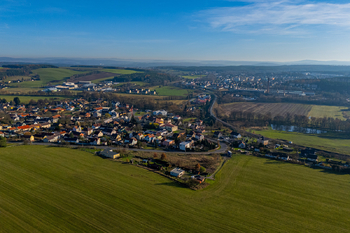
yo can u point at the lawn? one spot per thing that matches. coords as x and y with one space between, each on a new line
327 141
47 189
26 99
121 71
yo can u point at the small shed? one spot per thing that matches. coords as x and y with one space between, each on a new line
177 172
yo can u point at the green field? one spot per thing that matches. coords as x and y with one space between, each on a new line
26 99
192 76
47 189
170 91
327 111
48 75
327 141
102 79
121 71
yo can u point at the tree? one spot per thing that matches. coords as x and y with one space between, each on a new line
155 156
163 156
3 142
202 169
16 100
197 167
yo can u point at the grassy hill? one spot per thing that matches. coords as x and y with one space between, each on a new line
64 190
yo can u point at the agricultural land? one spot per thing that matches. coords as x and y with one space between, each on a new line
26 98
282 109
64 190
328 141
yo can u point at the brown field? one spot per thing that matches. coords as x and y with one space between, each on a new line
263 108
92 77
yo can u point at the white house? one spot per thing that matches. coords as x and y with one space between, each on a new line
177 172
185 145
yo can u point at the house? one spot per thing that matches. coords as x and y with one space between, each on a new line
45 125
77 129
168 143
52 138
198 178
177 172
263 141
95 141
109 154
236 135
149 138
185 145
2 134
310 154
199 137
160 113
217 134
170 127
71 140
241 145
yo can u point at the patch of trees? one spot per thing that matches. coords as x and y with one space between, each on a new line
151 77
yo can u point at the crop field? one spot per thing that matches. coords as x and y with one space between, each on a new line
329 142
26 99
283 108
263 108
121 71
46 189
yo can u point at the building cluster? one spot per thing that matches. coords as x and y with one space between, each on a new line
83 123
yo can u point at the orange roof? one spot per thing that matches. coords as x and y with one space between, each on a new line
24 127
56 116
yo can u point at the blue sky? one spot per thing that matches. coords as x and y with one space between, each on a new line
251 30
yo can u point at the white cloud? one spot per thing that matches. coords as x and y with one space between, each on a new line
282 17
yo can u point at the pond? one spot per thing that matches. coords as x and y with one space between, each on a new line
292 128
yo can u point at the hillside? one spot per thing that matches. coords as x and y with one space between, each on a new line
64 190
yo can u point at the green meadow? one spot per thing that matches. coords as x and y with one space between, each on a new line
26 99
170 91
121 71
47 189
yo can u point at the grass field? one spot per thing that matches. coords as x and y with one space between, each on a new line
192 76
102 79
170 91
327 142
26 99
284 108
121 71
63 190
327 111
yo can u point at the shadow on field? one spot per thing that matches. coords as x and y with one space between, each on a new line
332 172
173 184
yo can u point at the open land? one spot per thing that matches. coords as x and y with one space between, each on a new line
282 109
191 76
25 99
65 190
170 91
121 71
92 77
330 142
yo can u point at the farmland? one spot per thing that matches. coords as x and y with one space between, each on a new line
191 76
91 77
264 108
170 91
47 75
329 142
26 99
64 190
283 108
121 71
